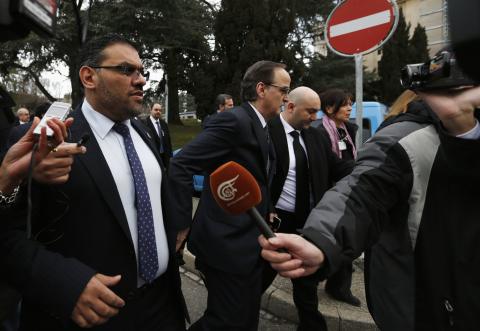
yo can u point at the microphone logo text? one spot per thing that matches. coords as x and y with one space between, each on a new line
226 191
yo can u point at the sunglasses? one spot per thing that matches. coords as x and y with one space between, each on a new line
127 70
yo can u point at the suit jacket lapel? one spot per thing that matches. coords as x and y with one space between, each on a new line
98 168
277 132
259 134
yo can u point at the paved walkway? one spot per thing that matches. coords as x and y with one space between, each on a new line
340 316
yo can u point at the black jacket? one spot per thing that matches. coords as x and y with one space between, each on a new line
412 203
325 168
79 229
166 140
226 242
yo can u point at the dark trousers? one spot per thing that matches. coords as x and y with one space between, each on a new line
233 302
305 294
153 307
341 281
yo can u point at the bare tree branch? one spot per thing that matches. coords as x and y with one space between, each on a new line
209 5
36 79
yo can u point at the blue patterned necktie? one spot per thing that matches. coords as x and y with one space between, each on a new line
159 128
147 247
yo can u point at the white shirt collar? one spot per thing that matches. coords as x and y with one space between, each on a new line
260 116
153 119
288 128
100 124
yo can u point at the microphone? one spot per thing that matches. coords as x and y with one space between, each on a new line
236 191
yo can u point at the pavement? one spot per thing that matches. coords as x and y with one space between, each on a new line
278 310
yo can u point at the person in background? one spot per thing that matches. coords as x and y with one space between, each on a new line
23 116
158 128
407 107
306 168
223 102
340 132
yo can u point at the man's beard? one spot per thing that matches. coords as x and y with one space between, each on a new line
122 110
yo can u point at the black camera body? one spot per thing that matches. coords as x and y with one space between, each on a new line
441 72
18 17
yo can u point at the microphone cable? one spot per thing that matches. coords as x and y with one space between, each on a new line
29 191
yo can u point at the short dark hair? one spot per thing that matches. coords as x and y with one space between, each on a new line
221 99
92 54
261 71
335 98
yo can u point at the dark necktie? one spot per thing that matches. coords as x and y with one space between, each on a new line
159 129
302 196
147 247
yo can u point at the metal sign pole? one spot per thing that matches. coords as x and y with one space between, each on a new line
166 99
359 98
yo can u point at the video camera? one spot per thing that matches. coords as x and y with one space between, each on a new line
441 72
451 68
18 17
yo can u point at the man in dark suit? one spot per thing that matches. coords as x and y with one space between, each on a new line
306 168
161 134
225 246
223 102
102 248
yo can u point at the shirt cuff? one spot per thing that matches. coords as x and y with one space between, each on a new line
473 134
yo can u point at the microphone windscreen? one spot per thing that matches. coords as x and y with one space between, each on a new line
234 188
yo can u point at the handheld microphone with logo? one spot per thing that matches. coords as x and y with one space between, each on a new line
236 191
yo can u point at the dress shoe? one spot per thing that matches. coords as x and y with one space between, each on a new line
345 297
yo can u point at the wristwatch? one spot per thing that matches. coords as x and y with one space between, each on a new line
8 199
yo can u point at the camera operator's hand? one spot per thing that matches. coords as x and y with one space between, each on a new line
55 167
15 165
455 108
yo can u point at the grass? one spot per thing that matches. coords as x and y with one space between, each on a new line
182 134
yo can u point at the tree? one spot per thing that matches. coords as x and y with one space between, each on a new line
249 31
332 71
418 46
395 55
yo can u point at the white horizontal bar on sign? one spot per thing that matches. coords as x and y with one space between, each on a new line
360 23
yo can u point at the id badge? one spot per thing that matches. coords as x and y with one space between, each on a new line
342 145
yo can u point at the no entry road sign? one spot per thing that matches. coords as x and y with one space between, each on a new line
360 26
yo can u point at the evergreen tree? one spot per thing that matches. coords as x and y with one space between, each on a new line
332 71
395 55
248 31
418 45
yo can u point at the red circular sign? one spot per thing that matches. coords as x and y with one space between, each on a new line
360 26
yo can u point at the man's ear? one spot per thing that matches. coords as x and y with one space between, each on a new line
88 77
290 107
260 89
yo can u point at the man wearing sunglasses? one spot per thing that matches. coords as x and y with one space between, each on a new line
103 249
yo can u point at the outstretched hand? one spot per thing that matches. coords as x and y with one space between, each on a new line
303 258
454 108
15 165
